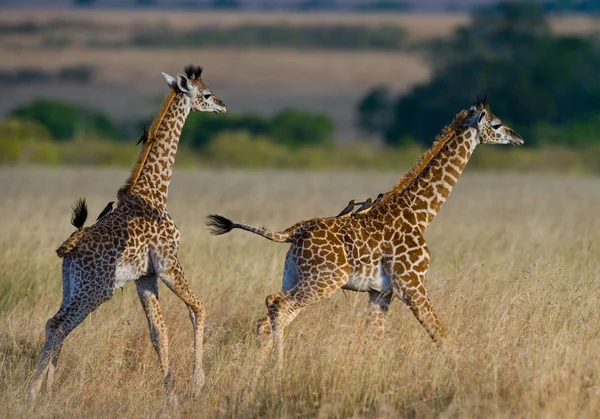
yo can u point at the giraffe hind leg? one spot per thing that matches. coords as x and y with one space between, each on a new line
174 278
377 309
265 338
283 307
147 289
68 317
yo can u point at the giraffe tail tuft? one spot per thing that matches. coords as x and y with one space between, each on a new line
80 213
218 225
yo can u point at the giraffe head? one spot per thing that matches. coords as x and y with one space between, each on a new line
201 97
490 129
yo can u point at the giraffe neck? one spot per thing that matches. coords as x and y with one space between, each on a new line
158 154
420 194
426 194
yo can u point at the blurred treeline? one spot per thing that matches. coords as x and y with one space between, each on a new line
162 35
54 133
545 86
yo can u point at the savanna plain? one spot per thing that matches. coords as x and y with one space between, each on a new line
515 278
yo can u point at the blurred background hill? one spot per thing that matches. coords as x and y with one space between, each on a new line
308 84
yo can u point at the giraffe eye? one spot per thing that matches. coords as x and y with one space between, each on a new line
496 124
206 95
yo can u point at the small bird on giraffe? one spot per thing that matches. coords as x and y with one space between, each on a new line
379 197
364 208
107 210
346 212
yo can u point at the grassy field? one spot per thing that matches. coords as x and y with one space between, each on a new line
514 277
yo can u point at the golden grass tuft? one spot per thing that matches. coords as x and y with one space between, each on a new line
514 277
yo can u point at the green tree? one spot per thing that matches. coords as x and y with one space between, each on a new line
201 128
26 141
530 76
374 110
65 120
298 128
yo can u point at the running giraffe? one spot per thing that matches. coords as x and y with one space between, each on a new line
381 252
138 241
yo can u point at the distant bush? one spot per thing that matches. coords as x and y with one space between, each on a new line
374 110
241 149
289 127
26 75
579 133
24 141
201 127
65 121
300 129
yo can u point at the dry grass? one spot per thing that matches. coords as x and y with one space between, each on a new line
514 276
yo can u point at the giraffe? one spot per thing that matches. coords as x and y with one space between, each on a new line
382 251
138 241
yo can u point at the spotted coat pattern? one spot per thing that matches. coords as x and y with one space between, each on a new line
138 241
383 251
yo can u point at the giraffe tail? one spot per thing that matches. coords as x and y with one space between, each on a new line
218 225
80 213
78 219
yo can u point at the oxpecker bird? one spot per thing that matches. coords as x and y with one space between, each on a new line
107 210
364 208
348 210
381 195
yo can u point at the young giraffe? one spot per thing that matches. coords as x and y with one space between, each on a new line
381 252
138 241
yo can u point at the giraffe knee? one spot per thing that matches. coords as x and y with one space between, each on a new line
51 325
198 311
263 327
272 300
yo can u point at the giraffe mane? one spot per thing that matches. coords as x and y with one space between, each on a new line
147 141
448 132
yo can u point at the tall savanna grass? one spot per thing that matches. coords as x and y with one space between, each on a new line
515 277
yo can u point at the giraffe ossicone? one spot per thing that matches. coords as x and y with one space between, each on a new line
381 251
135 242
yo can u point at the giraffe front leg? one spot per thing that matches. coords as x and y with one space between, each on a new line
377 310
147 289
418 301
174 278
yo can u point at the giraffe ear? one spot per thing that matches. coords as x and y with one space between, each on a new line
170 80
184 85
474 120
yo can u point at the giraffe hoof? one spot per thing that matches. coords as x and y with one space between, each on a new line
31 395
172 401
196 384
